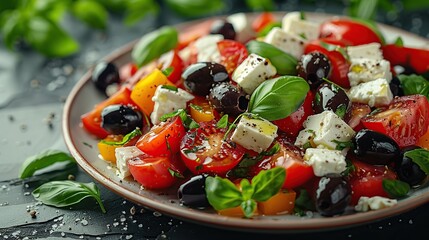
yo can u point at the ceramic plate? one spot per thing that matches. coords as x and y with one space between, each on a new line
84 96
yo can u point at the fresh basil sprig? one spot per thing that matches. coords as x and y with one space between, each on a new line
222 193
279 97
136 132
195 8
284 62
420 157
414 84
154 44
395 188
187 121
223 122
43 160
67 193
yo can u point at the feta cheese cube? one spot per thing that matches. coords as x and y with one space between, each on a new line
206 48
242 27
288 18
375 93
123 155
374 203
325 161
369 51
255 134
325 129
286 41
168 99
366 70
303 28
252 72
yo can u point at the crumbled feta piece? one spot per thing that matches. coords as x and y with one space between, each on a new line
303 28
252 72
288 18
325 161
369 51
242 26
206 48
286 41
255 134
167 100
374 203
325 129
123 155
366 70
375 93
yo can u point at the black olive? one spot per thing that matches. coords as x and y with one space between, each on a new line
375 148
409 171
200 77
192 193
105 74
396 87
331 97
313 67
224 28
333 195
120 119
228 99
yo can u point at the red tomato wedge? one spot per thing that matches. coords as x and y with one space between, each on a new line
262 20
171 60
415 58
232 54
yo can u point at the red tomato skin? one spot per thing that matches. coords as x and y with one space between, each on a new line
173 60
292 124
262 20
127 71
349 30
232 54
417 59
405 120
152 172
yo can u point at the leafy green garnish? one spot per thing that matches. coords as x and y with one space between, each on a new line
303 203
169 87
395 188
67 193
223 122
260 5
136 132
343 145
195 8
43 160
268 28
187 121
91 12
167 72
399 42
175 173
420 157
414 84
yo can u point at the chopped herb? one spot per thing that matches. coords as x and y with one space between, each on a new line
187 121
136 132
168 71
223 122
196 107
175 173
343 145
169 87
341 111
395 188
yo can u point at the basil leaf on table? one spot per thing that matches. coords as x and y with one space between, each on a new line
67 193
414 84
154 44
43 160
395 188
195 8
279 97
90 12
284 62
420 157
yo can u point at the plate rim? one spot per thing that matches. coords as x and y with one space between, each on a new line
214 220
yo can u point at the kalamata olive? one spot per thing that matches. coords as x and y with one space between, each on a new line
120 119
192 193
375 148
409 171
396 87
228 99
333 195
200 77
224 28
313 67
331 97
105 74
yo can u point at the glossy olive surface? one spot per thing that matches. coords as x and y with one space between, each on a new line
331 97
409 171
192 193
228 99
226 29
333 195
120 119
313 67
105 74
396 87
200 77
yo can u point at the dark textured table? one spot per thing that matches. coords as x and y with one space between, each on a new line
32 94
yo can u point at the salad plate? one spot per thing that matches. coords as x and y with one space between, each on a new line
83 147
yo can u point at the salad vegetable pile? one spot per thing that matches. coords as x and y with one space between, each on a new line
268 117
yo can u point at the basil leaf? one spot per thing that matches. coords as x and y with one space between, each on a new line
399 42
222 193
363 9
395 188
136 132
187 121
420 157
260 5
175 173
223 122
303 202
248 207
268 28
138 9
90 12
67 193
48 38
195 8
268 183
43 160
277 98
414 84
167 72
246 189
154 44
284 62
12 28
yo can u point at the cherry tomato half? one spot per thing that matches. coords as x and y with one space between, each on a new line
414 58
232 54
262 20
171 59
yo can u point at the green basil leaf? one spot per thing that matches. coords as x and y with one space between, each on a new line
399 42
222 193
268 28
67 193
138 9
136 132
284 62
248 207
114 5
303 203
260 5
43 160
395 188
364 9
246 189
48 38
175 173
414 84
90 12
52 9
187 121
278 98
167 72
223 122
12 28
154 44
268 183
420 157
196 8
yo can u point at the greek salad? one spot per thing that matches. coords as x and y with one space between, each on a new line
269 116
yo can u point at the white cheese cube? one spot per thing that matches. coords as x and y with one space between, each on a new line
206 48
252 72
286 41
375 93
366 70
369 51
289 18
255 134
303 28
168 99
325 161
123 155
374 203
242 27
